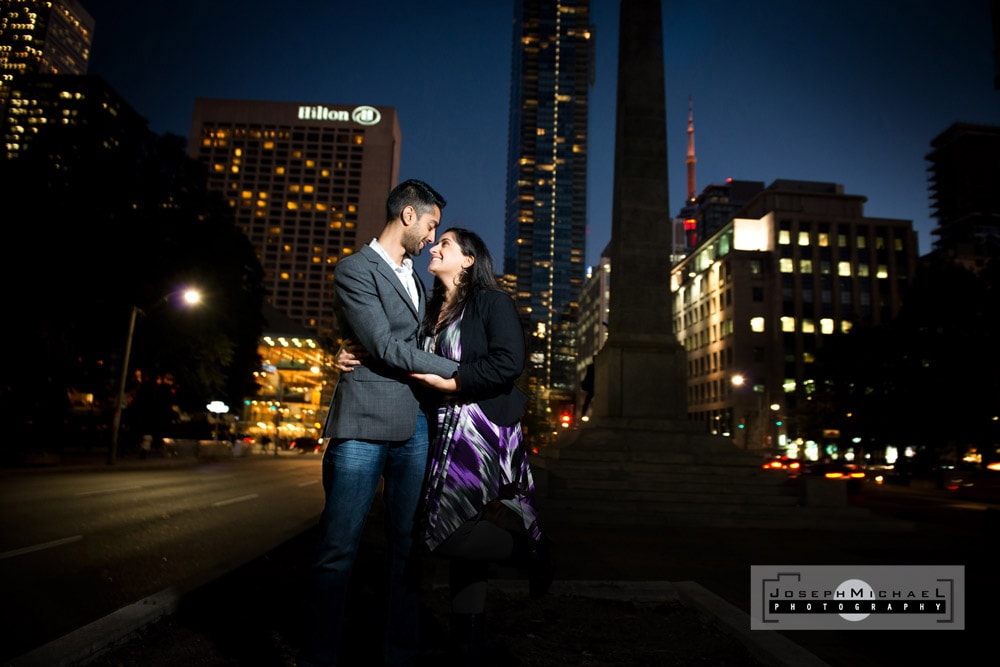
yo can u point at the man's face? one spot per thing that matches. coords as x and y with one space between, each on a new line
420 232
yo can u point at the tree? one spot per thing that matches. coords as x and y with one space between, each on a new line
113 225
928 379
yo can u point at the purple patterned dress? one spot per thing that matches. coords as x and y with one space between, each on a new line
473 461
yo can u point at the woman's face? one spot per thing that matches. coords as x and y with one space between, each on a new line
447 260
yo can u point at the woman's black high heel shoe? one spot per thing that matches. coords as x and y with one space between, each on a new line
536 559
533 557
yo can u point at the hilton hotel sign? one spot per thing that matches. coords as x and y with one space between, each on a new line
363 115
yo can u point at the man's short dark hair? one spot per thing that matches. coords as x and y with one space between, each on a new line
417 194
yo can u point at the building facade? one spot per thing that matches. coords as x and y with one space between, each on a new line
546 205
964 182
307 183
754 302
47 116
592 328
38 37
43 37
293 382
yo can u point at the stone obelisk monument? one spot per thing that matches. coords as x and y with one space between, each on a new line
640 459
640 372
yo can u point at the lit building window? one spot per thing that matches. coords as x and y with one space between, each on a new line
803 238
784 237
806 266
788 324
844 269
786 265
826 325
808 326
882 271
757 324
863 271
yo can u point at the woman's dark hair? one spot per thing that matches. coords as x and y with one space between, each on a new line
417 194
478 276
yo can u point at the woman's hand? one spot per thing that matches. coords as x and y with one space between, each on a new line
446 385
349 355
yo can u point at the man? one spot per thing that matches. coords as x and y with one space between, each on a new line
376 427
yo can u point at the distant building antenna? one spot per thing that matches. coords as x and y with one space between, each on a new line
691 160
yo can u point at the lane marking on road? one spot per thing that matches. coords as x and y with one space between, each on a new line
40 547
970 506
100 491
310 483
240 499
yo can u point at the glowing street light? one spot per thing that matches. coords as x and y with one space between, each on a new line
217 408
189 296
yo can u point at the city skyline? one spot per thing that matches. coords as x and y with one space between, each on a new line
851 94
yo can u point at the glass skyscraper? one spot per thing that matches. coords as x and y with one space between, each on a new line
546 206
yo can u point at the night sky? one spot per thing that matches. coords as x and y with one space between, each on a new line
850 92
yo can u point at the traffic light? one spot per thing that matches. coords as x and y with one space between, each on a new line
743 423
566 419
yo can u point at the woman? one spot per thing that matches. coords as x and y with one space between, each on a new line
479 498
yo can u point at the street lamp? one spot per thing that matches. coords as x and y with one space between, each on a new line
190 297
217 408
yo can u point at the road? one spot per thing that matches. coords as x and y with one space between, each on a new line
76 545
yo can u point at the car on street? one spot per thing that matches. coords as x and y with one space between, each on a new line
849 473
975 482
305 446
783 463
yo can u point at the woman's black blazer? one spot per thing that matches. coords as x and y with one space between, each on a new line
493 356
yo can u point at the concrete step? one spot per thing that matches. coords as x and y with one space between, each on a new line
728 457
704 489
577 511
652 499
654 467
625 472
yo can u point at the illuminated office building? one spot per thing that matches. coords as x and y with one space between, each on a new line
42 37
546 205
39 39
307 183
52 118
755 301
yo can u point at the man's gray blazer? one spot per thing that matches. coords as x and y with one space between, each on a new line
377 401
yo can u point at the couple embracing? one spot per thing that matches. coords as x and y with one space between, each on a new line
426 402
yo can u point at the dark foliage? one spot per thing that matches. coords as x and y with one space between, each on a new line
92 233
929 380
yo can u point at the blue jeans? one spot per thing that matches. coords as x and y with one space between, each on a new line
351 473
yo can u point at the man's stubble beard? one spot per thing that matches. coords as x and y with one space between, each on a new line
411 244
